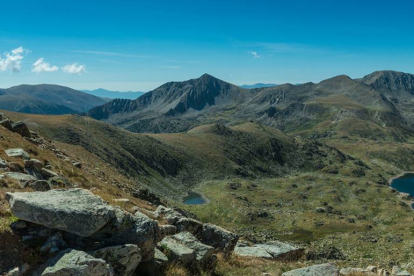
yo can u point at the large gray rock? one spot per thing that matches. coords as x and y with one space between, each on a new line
126 228
315 270
124 259
218 238
17 152
252 251
189 225
21 177
72 262
176 251
76 211
282 251
203 252
21 128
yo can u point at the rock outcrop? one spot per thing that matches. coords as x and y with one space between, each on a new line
76 211
72 262
124 259
315 270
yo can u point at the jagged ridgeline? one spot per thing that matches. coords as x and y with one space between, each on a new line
380 99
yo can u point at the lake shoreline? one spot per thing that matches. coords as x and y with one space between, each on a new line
409 202
201 195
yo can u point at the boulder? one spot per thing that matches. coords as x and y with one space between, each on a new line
72 262
17 152
48 173
176 251
190 225
167 230
21 128
315 270
251 251
76 211
168 214
33 164
124 259
38 185
218 238
126 228
6 123
282 251
21 177
203 252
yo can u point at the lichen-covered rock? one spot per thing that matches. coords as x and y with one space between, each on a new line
17 152
72 262
218 238
203 252
176 251
21 177
282 251
315 270
76 211
251 251
126 228
124 259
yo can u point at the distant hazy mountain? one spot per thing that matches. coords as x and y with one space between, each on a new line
47 99
103 93
257 85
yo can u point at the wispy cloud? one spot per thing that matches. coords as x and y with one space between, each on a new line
74 68
291 48
13 60
254 54
41 66
110 54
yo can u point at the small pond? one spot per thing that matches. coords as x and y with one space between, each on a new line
194 198
404 184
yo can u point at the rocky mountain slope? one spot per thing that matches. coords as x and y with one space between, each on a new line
291 201
176 107
46 99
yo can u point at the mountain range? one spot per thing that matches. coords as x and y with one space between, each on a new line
257 85
108 94
383 98
47 99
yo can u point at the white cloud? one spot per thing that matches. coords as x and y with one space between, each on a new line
41 66
74 68
254 54
13 60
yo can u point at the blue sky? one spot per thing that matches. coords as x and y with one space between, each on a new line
139 45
